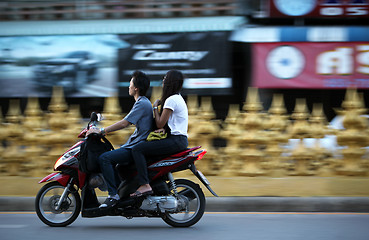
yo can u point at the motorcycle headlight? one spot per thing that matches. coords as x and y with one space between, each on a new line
66 156
71 153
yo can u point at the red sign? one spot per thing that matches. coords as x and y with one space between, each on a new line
310 65
319 8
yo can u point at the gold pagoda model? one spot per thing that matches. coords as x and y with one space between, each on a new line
265 150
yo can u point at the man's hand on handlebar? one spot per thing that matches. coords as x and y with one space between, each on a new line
93 130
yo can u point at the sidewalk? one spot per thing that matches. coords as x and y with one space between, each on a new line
242 204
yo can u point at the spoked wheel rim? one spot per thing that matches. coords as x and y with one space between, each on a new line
191 205
48 201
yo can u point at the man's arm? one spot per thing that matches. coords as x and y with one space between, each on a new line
114 127
117 126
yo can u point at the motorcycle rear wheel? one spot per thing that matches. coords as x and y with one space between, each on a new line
194 208
46 202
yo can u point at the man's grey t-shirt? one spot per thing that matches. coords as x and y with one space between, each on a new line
142 117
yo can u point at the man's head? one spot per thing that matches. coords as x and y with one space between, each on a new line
141 82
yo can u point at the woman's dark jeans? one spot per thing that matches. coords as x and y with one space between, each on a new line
171 145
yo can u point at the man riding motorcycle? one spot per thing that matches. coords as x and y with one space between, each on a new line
179 202
141 116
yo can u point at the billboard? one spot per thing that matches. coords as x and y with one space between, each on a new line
310 65
203 57
100 65
85 65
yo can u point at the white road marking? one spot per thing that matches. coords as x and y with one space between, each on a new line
12 226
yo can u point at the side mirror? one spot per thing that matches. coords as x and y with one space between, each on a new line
94 117
99 117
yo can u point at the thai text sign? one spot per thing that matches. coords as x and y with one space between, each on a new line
315 8
311 65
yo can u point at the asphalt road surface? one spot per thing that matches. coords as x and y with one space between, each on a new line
213 226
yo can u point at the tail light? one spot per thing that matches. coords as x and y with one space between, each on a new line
201 155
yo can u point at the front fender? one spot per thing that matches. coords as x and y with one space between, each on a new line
59 177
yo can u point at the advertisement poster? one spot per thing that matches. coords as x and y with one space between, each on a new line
101 65
311 65
204 59
85 65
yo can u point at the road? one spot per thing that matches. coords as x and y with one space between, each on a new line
213 226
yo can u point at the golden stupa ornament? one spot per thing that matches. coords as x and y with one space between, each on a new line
301 158
205 130
354 136
276 124
14 157
252 122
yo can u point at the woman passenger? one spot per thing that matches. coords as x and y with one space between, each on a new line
174 118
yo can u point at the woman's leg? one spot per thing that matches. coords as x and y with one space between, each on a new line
167 146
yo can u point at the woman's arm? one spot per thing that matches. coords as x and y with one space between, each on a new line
162 119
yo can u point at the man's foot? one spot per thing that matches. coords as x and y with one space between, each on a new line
143 190
111 201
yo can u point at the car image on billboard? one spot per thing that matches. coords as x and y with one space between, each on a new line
71 70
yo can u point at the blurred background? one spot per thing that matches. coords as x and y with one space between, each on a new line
268 84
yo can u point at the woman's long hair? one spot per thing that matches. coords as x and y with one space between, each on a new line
173 82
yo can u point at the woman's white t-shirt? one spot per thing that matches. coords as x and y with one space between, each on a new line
178 120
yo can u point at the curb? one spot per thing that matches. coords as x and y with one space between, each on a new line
288 204
242 204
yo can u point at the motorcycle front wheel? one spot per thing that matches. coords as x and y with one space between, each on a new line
46 205
191 205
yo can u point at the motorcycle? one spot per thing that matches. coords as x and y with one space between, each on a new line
70 191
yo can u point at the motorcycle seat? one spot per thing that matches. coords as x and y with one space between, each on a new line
180 154
154 159
175 155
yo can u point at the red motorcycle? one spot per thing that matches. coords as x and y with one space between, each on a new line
179 202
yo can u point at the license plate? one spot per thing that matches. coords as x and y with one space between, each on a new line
203 177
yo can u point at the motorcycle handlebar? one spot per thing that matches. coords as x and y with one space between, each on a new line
94 118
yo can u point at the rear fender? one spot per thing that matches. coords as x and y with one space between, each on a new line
58 177
202 178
